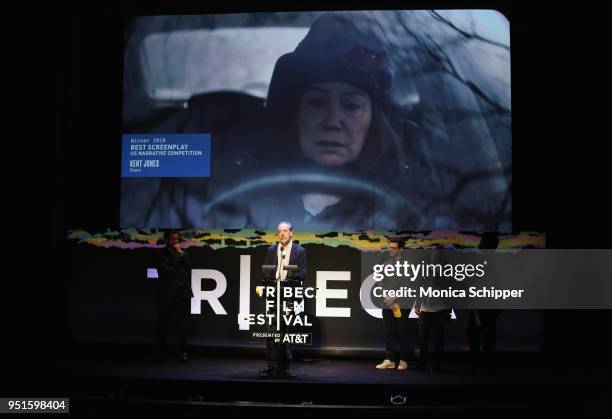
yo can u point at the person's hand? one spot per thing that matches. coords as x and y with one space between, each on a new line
177 248
417 311
389 301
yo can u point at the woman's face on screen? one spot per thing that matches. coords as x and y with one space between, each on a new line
333 123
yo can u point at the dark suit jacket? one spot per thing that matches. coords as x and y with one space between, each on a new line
297 257
174 275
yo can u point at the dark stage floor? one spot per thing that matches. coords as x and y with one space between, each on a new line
222 383
319 371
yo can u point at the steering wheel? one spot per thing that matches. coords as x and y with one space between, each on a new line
388 201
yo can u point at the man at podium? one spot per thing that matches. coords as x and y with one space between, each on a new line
282 254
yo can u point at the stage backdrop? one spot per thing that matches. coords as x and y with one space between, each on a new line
113 281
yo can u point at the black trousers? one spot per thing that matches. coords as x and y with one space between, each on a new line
428 321
171 311
396 329
482 336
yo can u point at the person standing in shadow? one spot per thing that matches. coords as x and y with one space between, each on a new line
395 315
434 313
482 325
174 295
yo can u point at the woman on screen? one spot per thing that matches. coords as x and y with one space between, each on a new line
333 159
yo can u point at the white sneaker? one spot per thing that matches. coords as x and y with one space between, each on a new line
386 364
403 365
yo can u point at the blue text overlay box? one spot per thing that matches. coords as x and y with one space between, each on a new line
165 155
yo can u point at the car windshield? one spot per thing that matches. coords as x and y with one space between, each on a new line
180 64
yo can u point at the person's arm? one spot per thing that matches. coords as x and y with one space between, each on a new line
300 273
185 261
168 265
270 259
418 283
393 284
